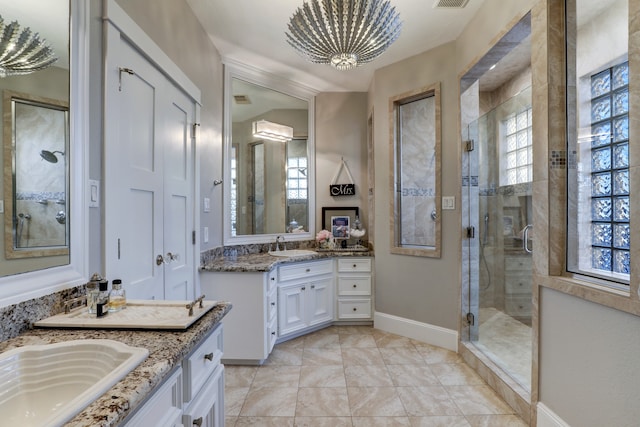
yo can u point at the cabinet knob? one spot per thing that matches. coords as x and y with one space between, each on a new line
313 286
273 278
273 304
197 422
273 333
209 356
303 288
355 286
355 309
308 270
355 265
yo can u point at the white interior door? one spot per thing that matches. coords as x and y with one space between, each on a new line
148 179
178 199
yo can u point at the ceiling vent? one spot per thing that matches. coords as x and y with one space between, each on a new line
450 4
242 99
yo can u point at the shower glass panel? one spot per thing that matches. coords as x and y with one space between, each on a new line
499 190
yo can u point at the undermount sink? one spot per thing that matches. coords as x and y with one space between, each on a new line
292 253
47 385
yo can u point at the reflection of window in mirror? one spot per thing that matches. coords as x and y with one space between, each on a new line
233 199
297 185
415 157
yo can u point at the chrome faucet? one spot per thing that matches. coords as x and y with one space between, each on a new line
278 242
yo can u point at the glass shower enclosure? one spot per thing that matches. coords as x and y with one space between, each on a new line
497 253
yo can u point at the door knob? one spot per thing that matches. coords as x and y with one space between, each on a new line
159 260
172 257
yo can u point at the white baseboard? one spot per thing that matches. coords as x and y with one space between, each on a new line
548 418
430 334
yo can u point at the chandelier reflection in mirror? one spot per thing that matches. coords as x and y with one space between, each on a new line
343 33
22 51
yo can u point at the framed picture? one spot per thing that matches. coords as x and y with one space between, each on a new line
340 227
338 220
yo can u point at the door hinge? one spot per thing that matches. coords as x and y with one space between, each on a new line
471 232
120 71
118 248
193 129
469 145
471 319
193 237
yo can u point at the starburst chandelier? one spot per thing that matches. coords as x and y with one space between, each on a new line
343 33
22 51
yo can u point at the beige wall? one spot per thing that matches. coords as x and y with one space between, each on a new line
341 132
417 288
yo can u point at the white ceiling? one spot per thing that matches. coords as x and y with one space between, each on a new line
253 32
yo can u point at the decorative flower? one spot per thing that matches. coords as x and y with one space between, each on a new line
323 236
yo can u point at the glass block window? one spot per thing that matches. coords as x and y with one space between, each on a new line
234 191
297 182
518 154
610 169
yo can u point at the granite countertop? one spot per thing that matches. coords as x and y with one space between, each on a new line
166 351
262 262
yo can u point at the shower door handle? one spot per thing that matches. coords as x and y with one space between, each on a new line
525 239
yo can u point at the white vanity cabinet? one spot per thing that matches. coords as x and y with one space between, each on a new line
193 395
203 377
354 289
251 326
305 296
164 407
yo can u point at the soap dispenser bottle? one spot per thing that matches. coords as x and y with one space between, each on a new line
102 300
92 292
117 296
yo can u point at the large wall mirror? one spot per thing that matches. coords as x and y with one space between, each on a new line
269 158
44 155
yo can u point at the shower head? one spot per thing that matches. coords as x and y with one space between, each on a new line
50 156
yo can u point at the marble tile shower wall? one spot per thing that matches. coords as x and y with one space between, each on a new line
39 227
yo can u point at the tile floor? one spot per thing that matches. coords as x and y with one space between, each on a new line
359 376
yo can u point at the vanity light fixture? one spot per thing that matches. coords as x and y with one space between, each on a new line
273 131
343 33
22 51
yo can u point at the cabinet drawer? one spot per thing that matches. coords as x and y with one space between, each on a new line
354 264
164 407
354 308
207 407
201 363
517 263
515 283
306 269
354 285
519 306
272 333
272 304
